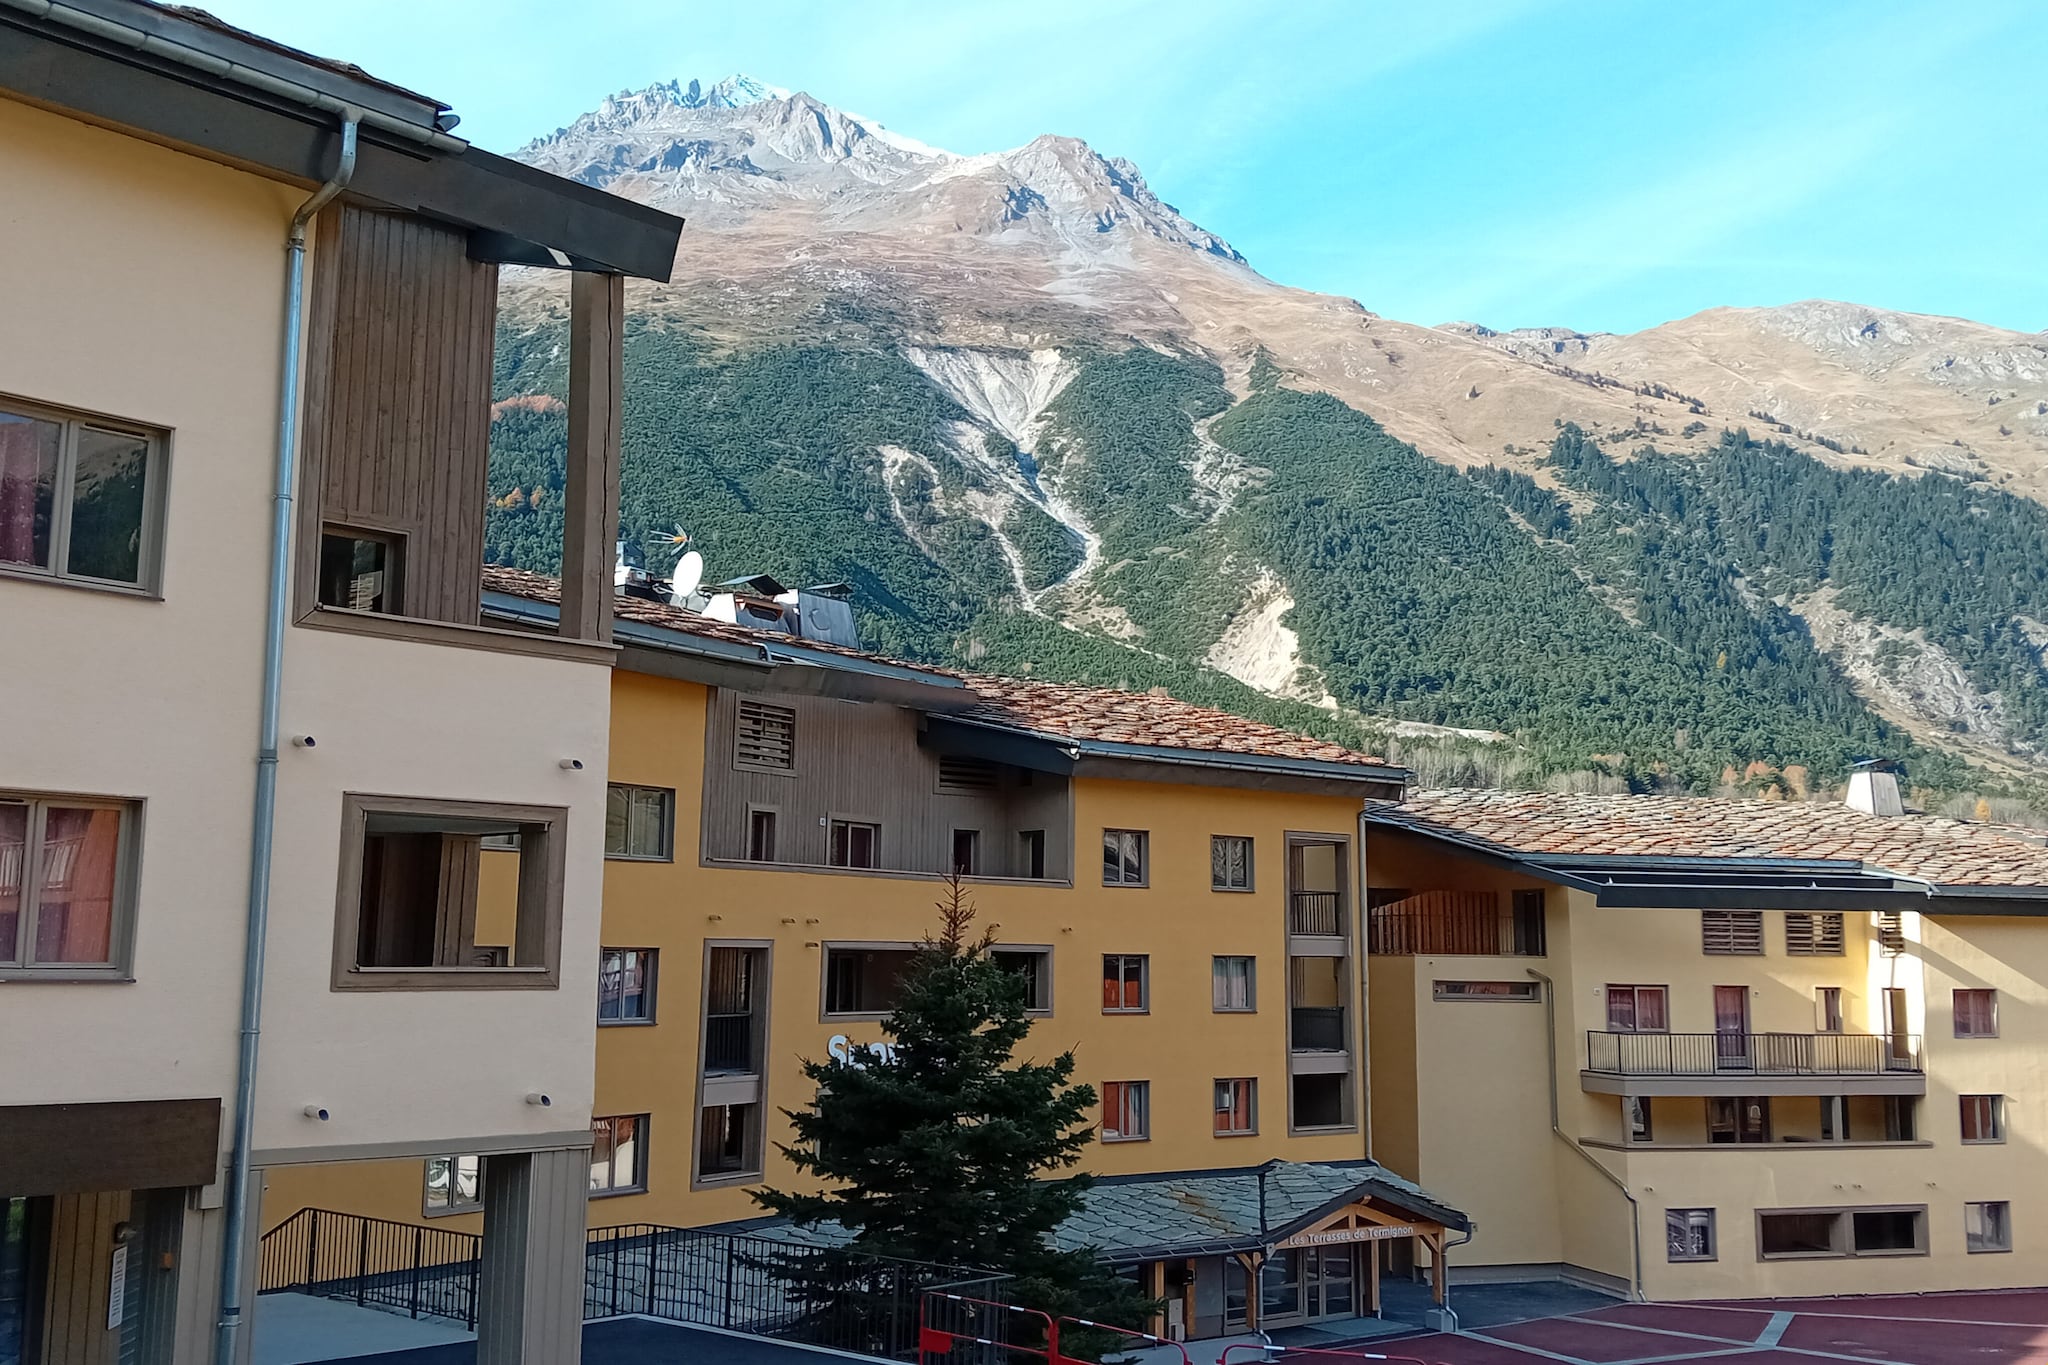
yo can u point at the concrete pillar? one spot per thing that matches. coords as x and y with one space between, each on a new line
530 1299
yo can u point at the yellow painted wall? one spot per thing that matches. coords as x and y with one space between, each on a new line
1181 1045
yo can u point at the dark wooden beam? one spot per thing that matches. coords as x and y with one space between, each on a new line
590 514
80 1148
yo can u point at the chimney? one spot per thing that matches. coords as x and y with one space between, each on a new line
1874 788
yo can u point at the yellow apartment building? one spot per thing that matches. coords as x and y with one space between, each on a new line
262 731
1178 886
1714 1049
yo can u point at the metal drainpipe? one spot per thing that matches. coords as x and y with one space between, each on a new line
1635 1211
237 1200
1363 1029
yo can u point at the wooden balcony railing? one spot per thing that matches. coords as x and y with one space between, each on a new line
1455 923
1751 1054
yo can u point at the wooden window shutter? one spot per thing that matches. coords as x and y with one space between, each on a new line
1814 934
1732 933
765 736
970 775
1891 932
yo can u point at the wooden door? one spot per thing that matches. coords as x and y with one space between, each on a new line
1731 1028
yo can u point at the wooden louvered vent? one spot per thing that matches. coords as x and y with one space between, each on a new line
765 737
1813 935
966 774
1732 933
1891 932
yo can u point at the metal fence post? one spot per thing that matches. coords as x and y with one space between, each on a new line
417 1233
363 1263
653 1250
728 1285
312 1249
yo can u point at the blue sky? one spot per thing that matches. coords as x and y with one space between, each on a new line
1604 166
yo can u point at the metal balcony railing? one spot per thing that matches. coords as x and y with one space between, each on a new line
1317 1029
1751 1054
1318 913
729 1043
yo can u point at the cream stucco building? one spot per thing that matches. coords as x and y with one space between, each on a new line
199 747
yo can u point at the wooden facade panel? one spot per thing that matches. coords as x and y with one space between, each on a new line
81 1261
139 1144
863 762
398 393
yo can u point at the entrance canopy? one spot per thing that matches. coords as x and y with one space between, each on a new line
1253 1209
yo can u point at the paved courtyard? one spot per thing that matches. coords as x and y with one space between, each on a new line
2006 1328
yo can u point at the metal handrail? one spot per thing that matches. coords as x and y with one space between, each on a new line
1622 1053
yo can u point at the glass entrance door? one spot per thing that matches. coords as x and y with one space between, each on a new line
1312 1283
1336 1282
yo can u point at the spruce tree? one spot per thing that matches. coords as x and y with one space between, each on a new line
946 1149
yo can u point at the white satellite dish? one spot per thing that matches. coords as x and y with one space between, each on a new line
689 573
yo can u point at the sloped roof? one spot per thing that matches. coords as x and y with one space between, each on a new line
1933 849
1065 711
1196 1212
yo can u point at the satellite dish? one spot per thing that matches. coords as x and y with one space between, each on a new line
689 573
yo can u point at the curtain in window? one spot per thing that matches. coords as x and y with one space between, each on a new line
13 871
28 485
75 897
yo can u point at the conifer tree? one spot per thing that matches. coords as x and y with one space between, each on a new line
946 1149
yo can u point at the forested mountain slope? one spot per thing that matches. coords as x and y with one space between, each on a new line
1043 423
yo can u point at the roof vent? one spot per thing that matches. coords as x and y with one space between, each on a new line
1874 789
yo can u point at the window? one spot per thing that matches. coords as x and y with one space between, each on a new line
1123 857
419 907
1827 1009
1898 1117
1987 1226
854 844
66 884
1638 1009
454 1184
1035 966
1237 1107
1233 984
967 851
1983 1118
733 1035
1031 854
618 1155
1635 1109
765 737
637 821
1732 933
1230 863
80 500
1976 1014
1891 932
625 986
1809 1233
1126 1111
1525 923
362 570
864 980
966 776
1522 991
1814 935
1739 1118
726 1141
1321 1101
1689 1234
760 835
1123 984
1834 1118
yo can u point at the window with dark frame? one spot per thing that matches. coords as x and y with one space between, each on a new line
1834 1118
1732 933
1124 983
362 570
625 986
1739 1118
1827 1009
453 1184
1237 1111
1983 1118
1523 992
1635 1110
1987 1226
854 843
638 822
1233 984
618 1155
1976 1013
1638 1009
862 980
764 736
1526 923
1689 1235
417 913
967 852
728 1141
1035 966
1815 934
1031 854
1126 1111
84 497
1124 857
760 835
1230 862
66 895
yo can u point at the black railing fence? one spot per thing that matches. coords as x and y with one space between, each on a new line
766 1286
1318 1029
1758 1054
